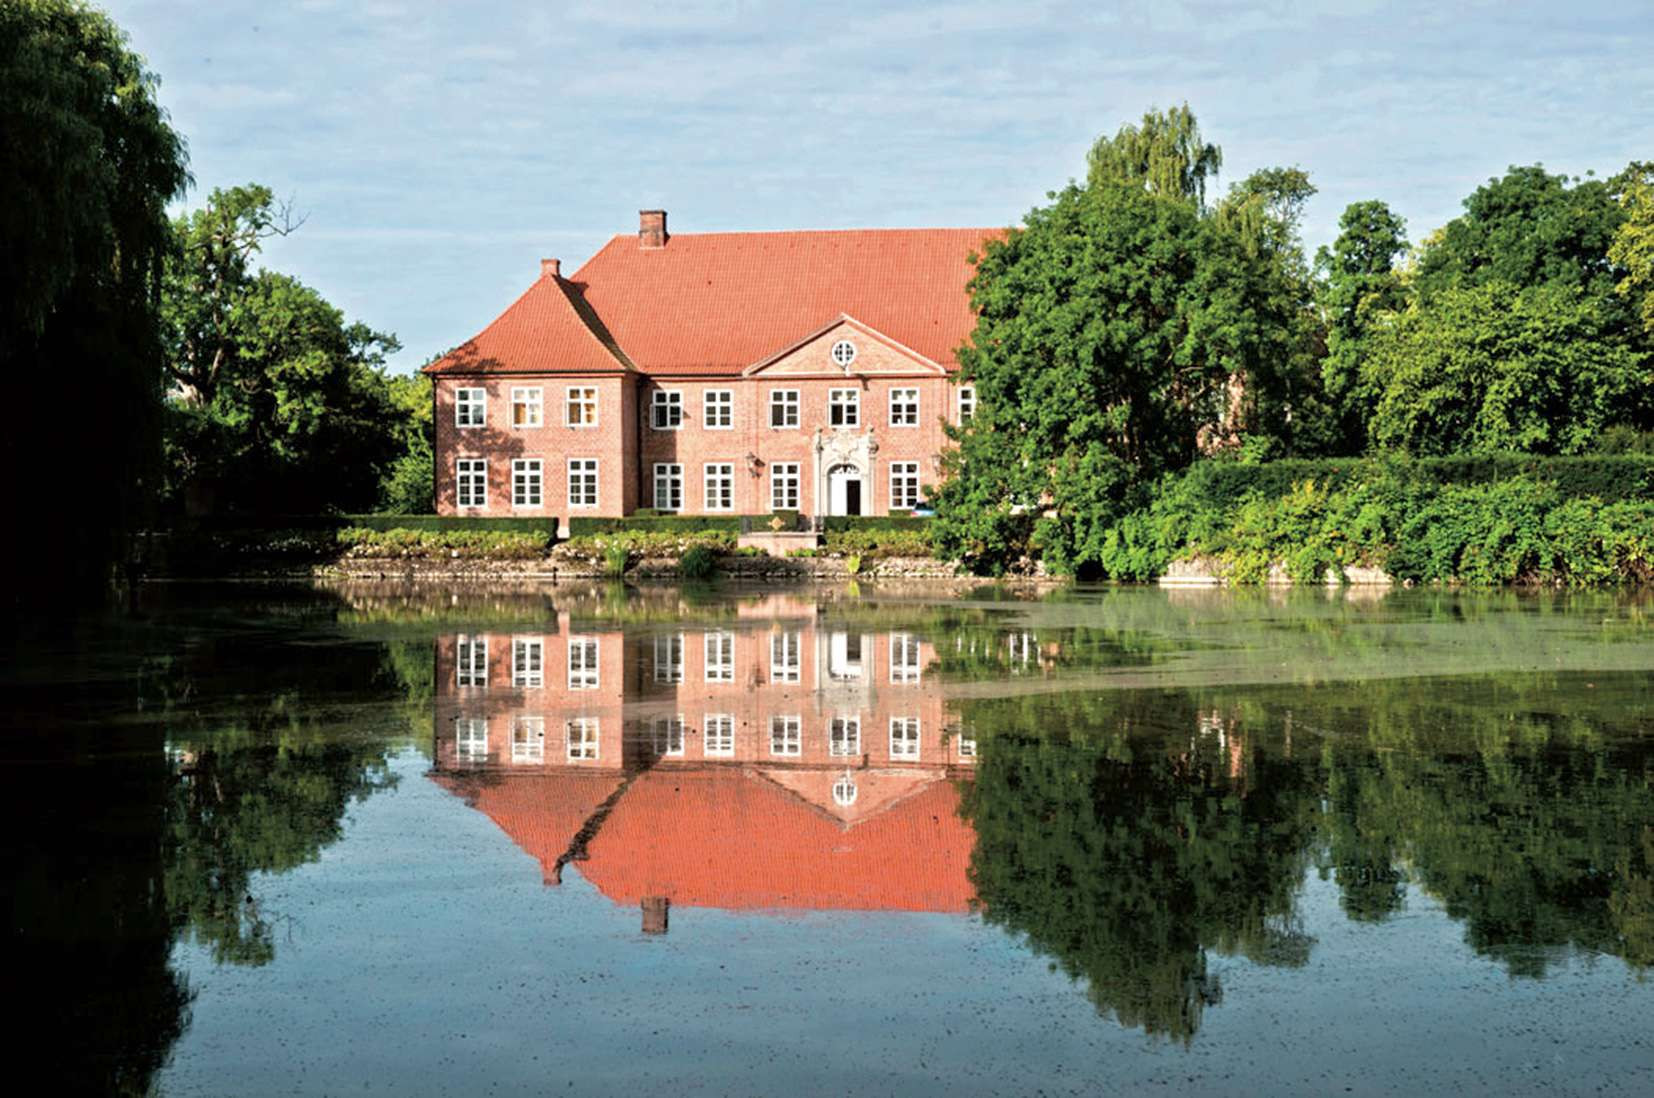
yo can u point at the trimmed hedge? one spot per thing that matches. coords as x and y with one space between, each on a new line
837 524
242 523
671 524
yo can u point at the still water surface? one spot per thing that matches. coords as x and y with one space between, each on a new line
605 840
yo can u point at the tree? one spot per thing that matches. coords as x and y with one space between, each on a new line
1495 367
1165 156
1359 293
1633 245
278 405
409 485
88 166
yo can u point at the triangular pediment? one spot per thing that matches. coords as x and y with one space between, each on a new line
875 355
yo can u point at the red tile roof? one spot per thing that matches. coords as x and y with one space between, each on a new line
542 812
548 330
734 839
715 303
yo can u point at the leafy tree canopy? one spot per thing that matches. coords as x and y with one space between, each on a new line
1165 156
1633 246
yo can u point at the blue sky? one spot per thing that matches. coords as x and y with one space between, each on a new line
439 150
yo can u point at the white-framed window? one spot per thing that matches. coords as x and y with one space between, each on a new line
583 673
580 406
719 484
471 482
784 486
528 740
844 407
844 790
527 406
783 407
527 482
967 403
718 731
471 739
528 662
719 648
844 657
1024 650
582 482
967 747
668 486
582 735
904 485
667 735
844 737
666 410
844 353
904 739
471 661
786 736
669 658
718 409
904 658
904 407
470 407
785 649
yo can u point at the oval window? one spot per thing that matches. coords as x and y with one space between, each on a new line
844 352
844 791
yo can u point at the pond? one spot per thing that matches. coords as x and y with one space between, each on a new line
904 840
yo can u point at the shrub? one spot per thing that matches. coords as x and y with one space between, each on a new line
642 522
875 542
697 563
363 542
616 559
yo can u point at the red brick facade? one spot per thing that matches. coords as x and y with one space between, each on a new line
737 373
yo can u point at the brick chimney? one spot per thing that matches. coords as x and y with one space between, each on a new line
550 268
651 228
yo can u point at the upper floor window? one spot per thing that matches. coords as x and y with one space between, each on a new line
668 735
718 409
904 407
783 407
583 736
718 730
471 482
666 410
470 407
471 739
844 737
527 406
904 738
528 739
844 353
580 406
967 403
844 407
786 735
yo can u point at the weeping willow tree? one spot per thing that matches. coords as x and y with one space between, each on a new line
1165 155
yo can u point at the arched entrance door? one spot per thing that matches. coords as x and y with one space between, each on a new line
844 490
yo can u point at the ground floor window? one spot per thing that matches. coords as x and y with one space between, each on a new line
720 486
583 674
669 658
527 482
904 485
527 663
719 730
471 482
582 482
471 661
719 649
786 736
784 486
904 658
904 738
668 487
784 656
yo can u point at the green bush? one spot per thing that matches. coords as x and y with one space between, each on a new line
841 523
404 543
697 563
875 542
543 524
641 522
616 559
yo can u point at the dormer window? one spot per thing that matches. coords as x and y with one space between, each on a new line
844 353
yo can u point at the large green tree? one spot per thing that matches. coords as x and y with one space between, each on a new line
1633 245
1360 290
1495 367
279 404
87 166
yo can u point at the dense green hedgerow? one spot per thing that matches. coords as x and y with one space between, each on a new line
497 544
646 523
875 542
1539 525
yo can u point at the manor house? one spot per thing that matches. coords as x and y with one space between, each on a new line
714 373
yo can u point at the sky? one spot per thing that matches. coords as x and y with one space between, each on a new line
439 150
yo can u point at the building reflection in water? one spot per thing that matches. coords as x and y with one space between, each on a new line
769 763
